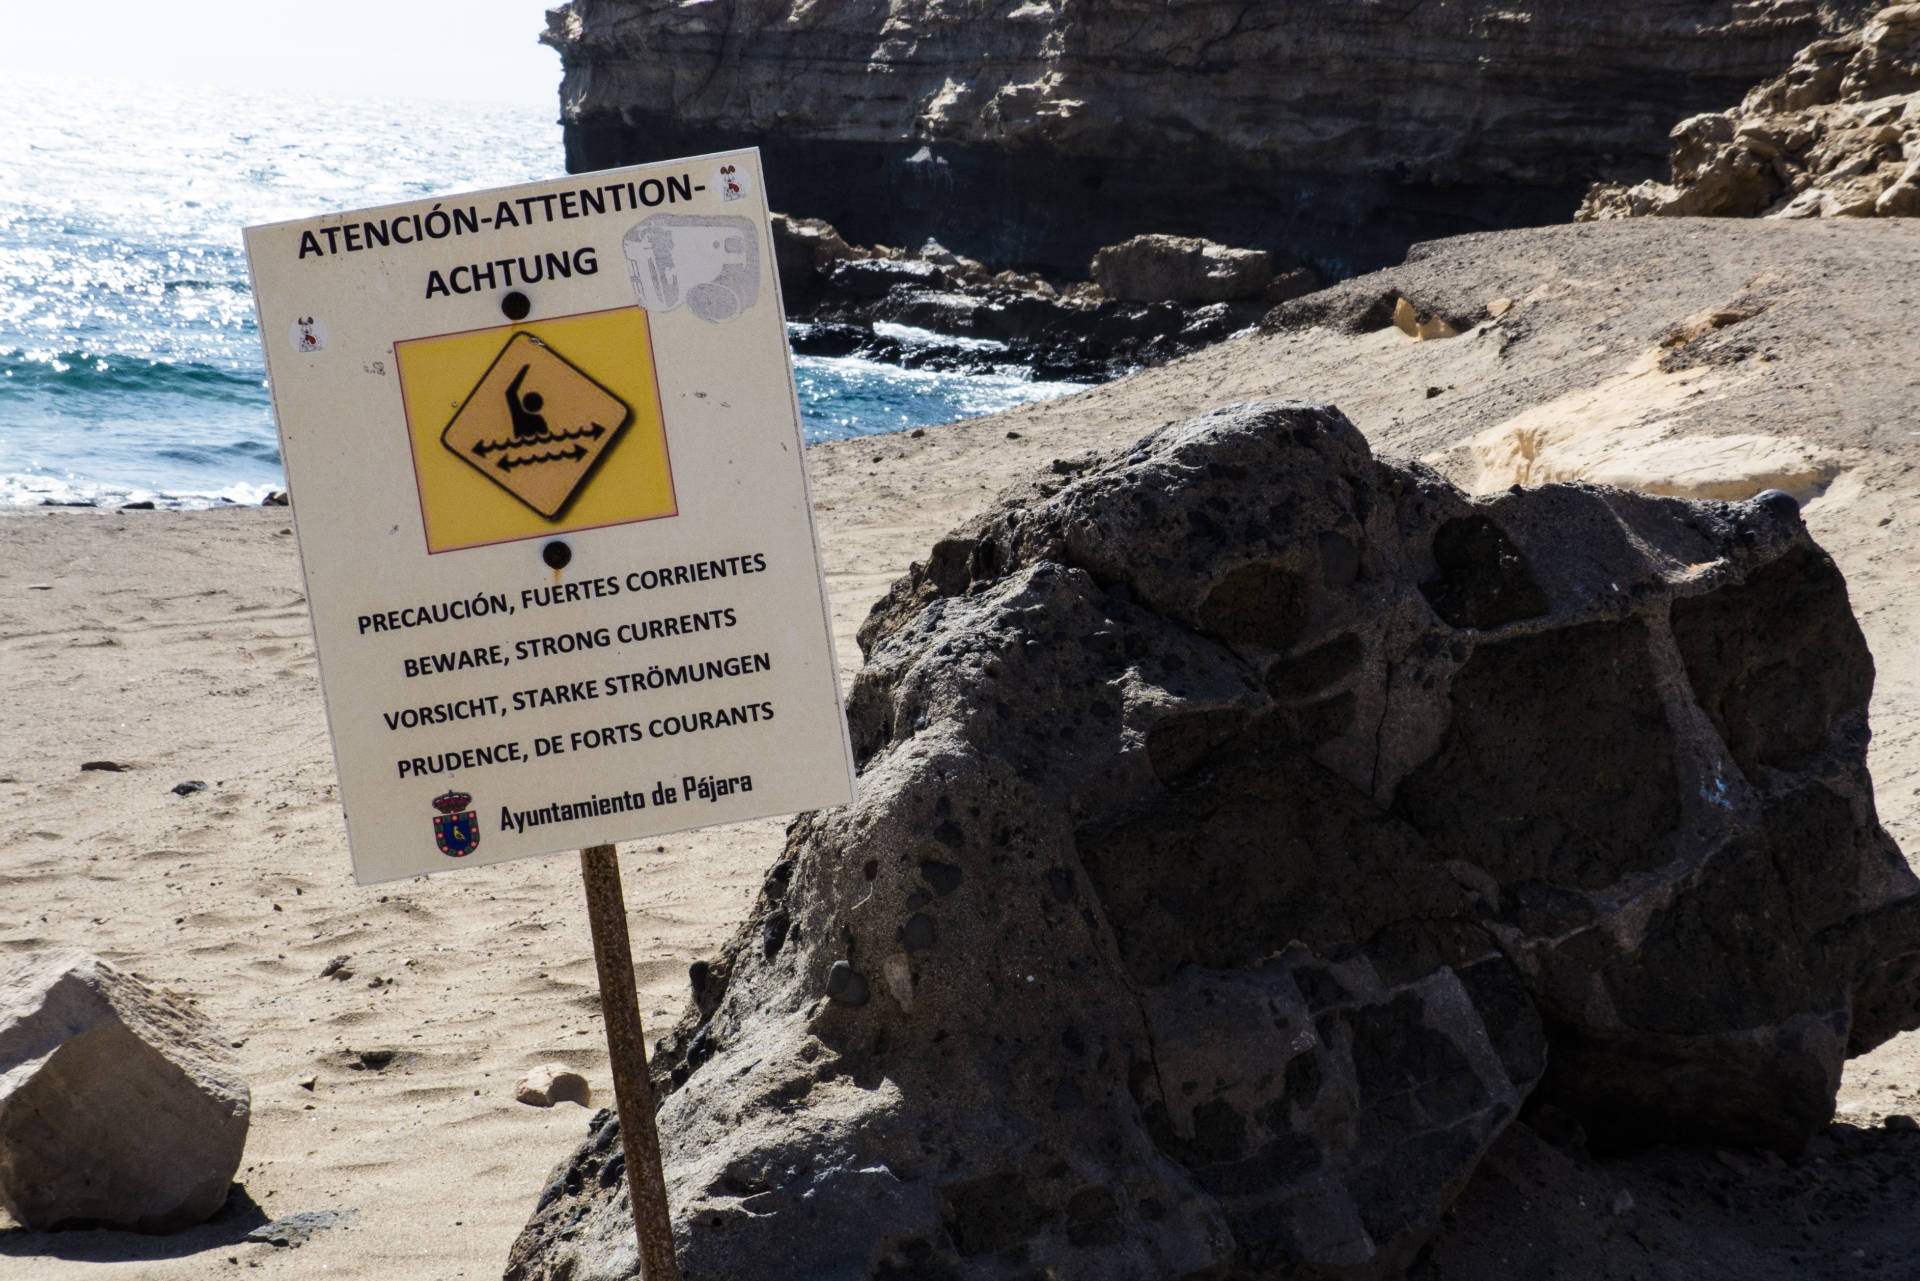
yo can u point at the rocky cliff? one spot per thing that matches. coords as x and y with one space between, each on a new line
1034 131
1837 135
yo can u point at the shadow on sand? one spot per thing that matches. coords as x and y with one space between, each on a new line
227 1228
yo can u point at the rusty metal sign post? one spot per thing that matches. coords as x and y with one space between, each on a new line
627 1050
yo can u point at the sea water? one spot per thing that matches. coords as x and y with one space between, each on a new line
129 365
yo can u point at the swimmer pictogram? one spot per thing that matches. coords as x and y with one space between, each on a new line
526 422
535 424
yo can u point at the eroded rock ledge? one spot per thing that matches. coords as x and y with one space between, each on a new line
1031 135
1835 136
1249 830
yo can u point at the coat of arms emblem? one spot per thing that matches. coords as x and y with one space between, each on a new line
457 829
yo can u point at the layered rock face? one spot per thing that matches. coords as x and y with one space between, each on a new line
1836 136
1034 132
1248 830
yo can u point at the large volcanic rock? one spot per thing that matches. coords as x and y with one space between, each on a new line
1248 828
1034 134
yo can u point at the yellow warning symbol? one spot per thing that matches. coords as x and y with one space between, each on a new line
535 425
520 431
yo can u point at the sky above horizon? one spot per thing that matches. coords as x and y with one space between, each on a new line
467 50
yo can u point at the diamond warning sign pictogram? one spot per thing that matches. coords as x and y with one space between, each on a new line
535 425
535 429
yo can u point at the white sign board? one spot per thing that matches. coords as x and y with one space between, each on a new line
546 466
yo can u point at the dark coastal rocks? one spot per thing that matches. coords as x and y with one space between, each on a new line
1248 830
1173 296
1342 133
120 1106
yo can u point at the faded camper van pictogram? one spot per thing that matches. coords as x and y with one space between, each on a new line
711 264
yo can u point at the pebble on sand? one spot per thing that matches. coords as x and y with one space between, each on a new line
552 1083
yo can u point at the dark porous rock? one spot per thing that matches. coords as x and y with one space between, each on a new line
873 277
1248 827
299 1228
802 249
830 339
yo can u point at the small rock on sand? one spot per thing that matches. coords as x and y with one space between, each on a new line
296 1229
552 1083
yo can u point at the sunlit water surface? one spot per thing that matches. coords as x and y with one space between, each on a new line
129 365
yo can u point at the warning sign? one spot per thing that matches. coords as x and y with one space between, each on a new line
549 485
535 439
515 435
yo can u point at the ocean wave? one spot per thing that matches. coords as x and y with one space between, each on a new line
913 336
259 451
89 372
238 288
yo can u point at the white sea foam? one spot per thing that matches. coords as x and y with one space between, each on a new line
42 489
914 336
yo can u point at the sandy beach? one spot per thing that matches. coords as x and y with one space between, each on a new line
175 646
